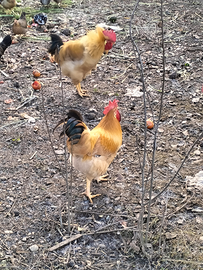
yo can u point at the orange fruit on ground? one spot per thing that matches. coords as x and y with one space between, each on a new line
150 124
36 73
36 85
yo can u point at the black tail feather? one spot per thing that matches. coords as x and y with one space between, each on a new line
56 42
73 126
6 42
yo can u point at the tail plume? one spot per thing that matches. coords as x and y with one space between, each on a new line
56 42
5 44
73 126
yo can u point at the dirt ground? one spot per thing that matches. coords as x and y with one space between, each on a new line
33 197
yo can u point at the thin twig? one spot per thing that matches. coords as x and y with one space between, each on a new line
20 122
136 51
183 261
116 77
162 223
33 155
8 213
177 172
74 237
26 101
180 207
68 194
49 135
157 125
65 242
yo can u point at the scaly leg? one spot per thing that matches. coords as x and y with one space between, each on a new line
80 91
88 193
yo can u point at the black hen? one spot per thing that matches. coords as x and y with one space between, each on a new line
5 44
40 19
56 42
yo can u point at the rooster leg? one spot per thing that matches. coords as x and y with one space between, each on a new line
80 91
103 178
88 193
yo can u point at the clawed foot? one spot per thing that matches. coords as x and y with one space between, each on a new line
83 93
103 178
90 197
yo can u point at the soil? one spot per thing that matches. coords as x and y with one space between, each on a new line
34 205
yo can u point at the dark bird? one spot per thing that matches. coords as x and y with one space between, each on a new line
5 44
40 19
45 2
20 26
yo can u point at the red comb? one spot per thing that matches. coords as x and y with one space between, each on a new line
110 34
111 106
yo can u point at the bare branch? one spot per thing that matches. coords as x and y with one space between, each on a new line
136 51
177 172
160 112
68 194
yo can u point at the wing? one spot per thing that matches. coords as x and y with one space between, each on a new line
73 50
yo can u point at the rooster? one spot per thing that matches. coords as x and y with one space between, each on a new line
6 42
92 151
78 57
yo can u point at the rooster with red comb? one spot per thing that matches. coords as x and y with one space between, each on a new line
78 57
92 151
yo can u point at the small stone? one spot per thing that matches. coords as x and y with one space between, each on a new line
195 100
174 146
59 152
8 232
134 92
174 75
66 32
161 130
88 263
199 220
197 152
170 235
34 248
180 221
201 238
185 132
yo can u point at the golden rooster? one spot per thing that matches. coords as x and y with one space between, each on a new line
78 57
92 151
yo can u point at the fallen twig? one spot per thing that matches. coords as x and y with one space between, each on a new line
183 261
6 75
74 237
8 213
26 101
33 155
20 122
180 207
65 242
115 77
177 172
